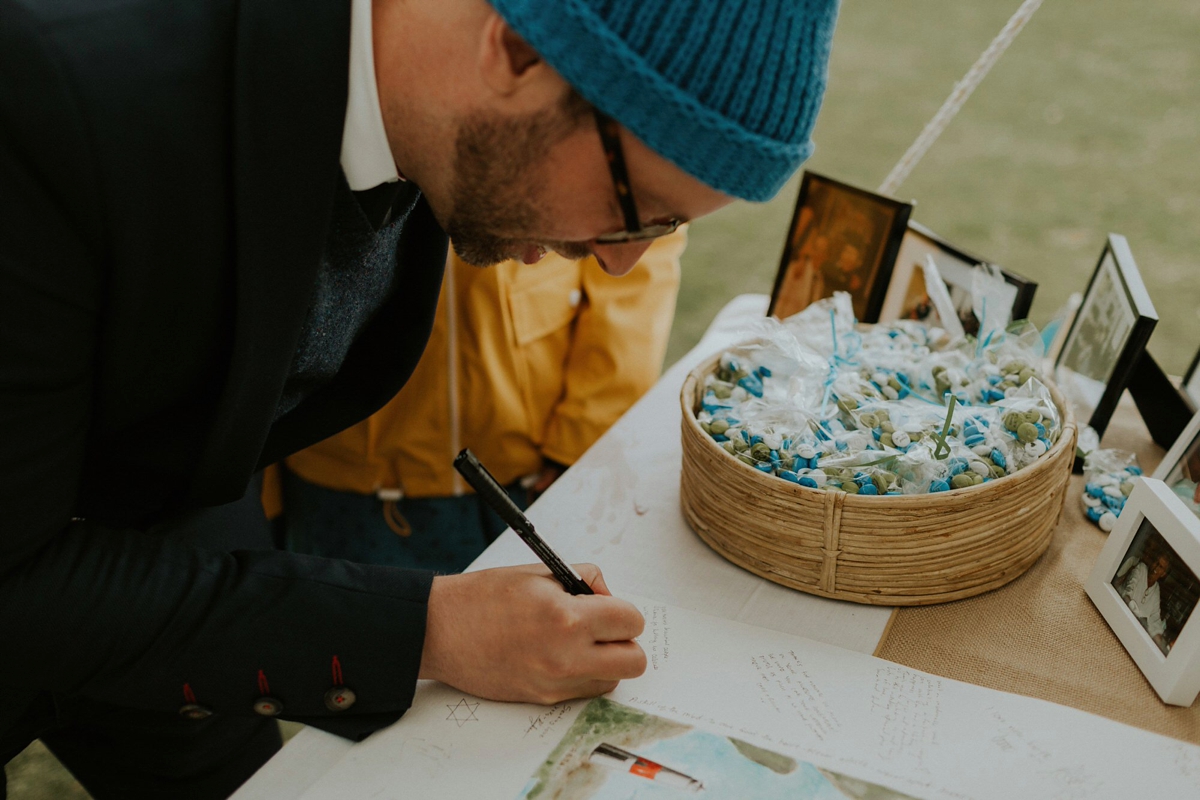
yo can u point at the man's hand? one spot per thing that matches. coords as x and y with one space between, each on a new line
514 634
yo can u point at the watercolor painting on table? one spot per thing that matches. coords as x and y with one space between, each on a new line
615 752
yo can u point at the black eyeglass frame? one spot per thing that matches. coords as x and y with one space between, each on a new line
614 154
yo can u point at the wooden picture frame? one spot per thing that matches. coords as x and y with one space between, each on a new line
1107 336
906 291
1145 585
842 238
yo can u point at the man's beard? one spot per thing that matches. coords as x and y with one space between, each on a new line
498 162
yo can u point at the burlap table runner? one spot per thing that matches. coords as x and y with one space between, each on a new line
1040 635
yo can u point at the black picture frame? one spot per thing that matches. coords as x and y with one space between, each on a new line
830 203
1132 290
925 239
1165 408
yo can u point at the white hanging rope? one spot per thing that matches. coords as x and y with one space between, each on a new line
962 90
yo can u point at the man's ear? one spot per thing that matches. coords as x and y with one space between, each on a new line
507 62
520 55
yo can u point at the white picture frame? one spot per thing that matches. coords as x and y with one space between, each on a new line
904 298
1154 526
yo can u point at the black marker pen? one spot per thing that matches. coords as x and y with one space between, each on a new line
494 495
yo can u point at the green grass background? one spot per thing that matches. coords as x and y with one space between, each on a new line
1090 123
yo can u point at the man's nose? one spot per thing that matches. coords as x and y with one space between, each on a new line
618 259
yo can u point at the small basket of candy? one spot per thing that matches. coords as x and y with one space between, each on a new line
878 464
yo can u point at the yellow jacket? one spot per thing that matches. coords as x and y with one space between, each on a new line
525 362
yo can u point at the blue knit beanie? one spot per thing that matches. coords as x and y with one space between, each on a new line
727 90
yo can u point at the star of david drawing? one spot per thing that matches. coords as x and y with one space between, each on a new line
463 712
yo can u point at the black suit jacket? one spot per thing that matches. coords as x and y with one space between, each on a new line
166 177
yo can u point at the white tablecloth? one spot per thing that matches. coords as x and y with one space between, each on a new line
618 507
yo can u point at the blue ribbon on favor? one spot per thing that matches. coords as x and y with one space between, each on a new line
853 345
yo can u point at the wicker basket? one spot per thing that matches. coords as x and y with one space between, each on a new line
897 550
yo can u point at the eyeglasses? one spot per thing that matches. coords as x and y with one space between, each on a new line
610 138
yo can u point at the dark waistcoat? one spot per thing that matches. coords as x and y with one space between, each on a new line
356 275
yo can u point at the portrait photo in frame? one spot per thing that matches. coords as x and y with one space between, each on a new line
842 238
907 298
1107 336
1144 584
1180 468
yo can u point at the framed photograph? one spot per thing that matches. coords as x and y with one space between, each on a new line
1107 336
906 297
842 239
1180 468
1145 585
1191 382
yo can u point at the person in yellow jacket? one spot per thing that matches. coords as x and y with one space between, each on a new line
527 365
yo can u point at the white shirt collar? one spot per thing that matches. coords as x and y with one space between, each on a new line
366 156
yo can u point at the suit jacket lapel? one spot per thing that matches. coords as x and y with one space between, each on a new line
386 351
290 88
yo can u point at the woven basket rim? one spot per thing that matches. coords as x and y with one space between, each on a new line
968 494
